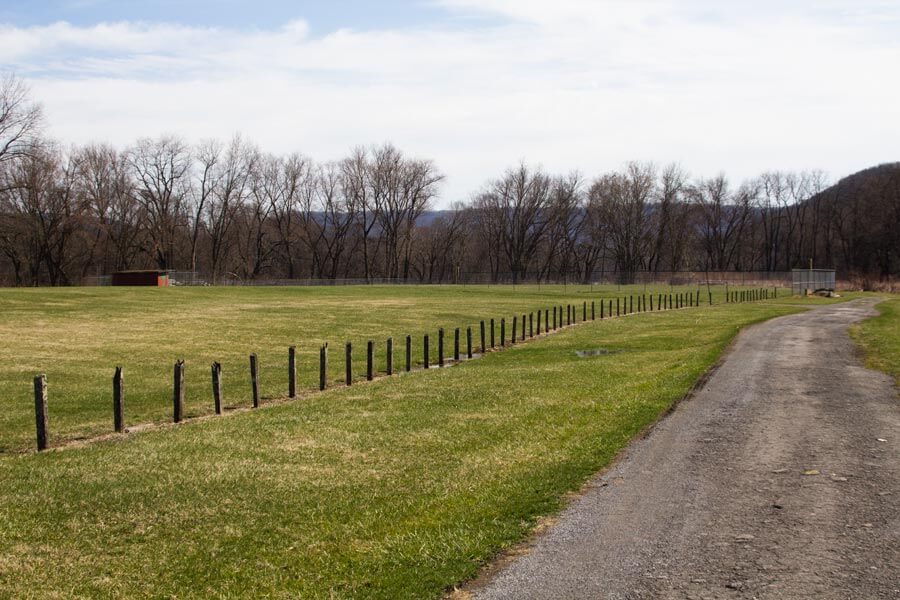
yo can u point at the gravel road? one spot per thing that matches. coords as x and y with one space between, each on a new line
779 478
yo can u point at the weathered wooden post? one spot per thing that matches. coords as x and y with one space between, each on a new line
40 411
670 301
651 302
554 318
348 363
370 360
390 356
546 320
630 304
292 372
425 350
456 344
408 353
492 334
483 345
710 297
119 401
515 320
523 327
503 332
178 391
216 371
468 342
593 311
602 304
610 308
617 306
531 325
539 321
323 367
569 310
441 347
584 311
254 380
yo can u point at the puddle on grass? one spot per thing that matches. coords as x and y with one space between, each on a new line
596 352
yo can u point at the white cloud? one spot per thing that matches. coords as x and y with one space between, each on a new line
584 84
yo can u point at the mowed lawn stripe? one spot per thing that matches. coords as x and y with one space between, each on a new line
395 489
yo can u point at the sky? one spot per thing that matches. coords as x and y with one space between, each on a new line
478 86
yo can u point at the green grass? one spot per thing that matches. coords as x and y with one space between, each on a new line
880 338
78 336
395 489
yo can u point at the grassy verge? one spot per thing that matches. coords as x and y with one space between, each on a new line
880 338
77 337
395 489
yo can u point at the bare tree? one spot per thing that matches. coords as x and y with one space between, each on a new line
624 201
516 209
20 119
723 217
161 168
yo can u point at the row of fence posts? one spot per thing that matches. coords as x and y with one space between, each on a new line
623 306
754 295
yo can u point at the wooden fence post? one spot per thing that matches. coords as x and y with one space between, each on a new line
617 306
468 342
119 401
178 391
254 379
441 347
531 324
40 411
390 356
456 344
651 302
602 305
216 370
425 350
408 353
523 327
292 372
630 305
610 308
370 360
323 367
539 321
492 334
483 339
503 332
554 318
348 363
584 311
593 311
515 321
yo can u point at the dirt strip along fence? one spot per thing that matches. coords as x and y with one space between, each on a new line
552 322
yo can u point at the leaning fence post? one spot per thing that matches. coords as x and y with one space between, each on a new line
40 411
178 391
468 342
323 367
425 350
370 360
254 379
456 344
216 370
390 356
408 353
119 401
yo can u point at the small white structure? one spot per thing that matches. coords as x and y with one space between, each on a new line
806 281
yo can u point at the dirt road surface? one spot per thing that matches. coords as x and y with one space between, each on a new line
779 478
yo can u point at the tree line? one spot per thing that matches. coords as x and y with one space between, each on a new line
229 210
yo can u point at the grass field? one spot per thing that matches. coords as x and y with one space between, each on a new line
78 336
880 338
394 489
